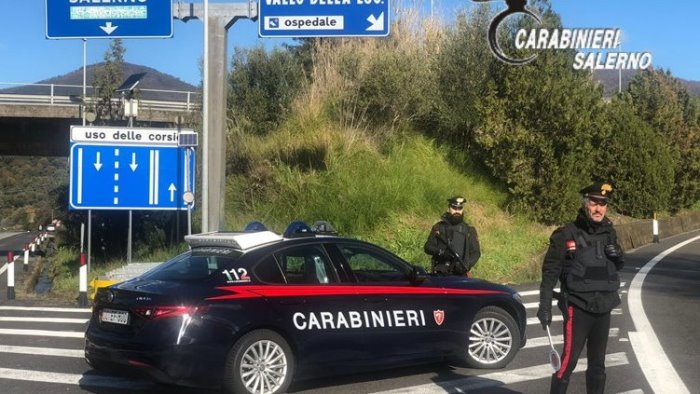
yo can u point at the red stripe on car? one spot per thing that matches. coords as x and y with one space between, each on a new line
316 291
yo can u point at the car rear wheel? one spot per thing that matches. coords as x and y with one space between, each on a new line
494 339
261 362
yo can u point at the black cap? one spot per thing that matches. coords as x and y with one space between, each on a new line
457 201
597 190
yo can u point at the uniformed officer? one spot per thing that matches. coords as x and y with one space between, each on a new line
453 244
585 257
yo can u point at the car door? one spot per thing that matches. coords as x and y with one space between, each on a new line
405 320
317 310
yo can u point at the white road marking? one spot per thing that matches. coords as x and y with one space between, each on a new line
44 309
42 351
534 320
559 339
3 268
42 333
494 379
43 319
75 379
637 391
657 368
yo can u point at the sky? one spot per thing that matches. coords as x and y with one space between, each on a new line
666 29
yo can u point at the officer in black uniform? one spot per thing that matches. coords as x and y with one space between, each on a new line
453 244
585 257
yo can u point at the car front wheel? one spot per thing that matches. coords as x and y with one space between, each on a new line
494 339
261 362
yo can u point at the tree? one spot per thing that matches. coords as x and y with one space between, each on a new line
108 77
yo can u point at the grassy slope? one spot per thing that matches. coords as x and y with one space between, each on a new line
387 191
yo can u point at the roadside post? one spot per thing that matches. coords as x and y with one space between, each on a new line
26 257
10 276
655 230
82 297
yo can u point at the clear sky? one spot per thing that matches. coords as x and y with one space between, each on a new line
667 29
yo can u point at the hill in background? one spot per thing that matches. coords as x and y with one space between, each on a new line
610 79
150 79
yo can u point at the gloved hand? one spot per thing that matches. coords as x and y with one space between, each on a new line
544 313
613 251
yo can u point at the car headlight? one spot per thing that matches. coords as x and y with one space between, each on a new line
516 297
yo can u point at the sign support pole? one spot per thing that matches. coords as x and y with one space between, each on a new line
82 106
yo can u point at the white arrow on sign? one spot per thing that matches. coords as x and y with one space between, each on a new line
97 163
172 189
133 164
108 28
377 24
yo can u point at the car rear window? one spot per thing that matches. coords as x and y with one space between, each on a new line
198 264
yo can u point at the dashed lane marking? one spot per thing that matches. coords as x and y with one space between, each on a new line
75 379
42 333
43 319
494 379
44 309
42 351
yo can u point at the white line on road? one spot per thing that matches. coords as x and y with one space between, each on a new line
494 379
44 309
42 351
43 319
559 339
534 320
75 379
42 333
657 368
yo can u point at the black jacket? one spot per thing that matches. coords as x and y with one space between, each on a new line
560 256
446 238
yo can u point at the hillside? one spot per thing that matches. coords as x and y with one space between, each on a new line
610 80
149 79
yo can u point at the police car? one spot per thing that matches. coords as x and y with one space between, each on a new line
252 310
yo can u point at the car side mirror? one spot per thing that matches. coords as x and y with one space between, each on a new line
417 275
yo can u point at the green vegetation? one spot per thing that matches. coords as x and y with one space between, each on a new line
375 134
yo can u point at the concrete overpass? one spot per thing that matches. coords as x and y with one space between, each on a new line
36 122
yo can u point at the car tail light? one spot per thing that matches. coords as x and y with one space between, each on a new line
158 312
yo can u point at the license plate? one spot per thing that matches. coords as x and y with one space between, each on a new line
114 316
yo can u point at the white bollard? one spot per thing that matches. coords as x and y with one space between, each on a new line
26 257
82 296
655 230
10 276
32 247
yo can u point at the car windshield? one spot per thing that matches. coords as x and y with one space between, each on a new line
198 264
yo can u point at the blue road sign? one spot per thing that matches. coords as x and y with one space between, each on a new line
109 19
323 18
130 176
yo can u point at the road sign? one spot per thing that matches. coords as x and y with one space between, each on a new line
323 18
134 173
109 19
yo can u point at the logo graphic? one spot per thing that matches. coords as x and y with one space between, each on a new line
439 316
274 23
597 48
514 7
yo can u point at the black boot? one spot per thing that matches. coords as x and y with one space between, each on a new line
595 382
558 386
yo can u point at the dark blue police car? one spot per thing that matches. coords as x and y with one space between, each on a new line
250 311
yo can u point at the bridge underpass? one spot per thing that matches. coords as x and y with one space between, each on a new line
39 125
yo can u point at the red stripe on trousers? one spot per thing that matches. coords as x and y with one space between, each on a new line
567 343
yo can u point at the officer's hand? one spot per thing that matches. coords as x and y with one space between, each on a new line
544 313
613 251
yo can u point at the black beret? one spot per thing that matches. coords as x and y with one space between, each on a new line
599 189
457 201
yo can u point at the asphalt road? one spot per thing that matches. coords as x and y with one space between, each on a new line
45 355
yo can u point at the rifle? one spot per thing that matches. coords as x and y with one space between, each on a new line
455 255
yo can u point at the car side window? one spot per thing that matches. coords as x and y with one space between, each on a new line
371 266
305 265
268 271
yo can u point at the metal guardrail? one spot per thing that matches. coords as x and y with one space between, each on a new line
71 95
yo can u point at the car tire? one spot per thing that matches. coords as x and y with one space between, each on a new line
261 362
494 339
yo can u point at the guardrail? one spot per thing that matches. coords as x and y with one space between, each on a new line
71 95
